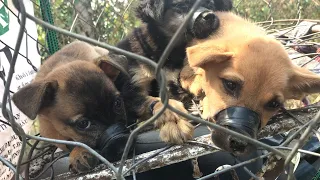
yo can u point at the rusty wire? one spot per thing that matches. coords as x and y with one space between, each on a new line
119 172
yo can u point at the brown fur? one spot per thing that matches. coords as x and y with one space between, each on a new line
241 52
174 129
191 80
70 82
83 158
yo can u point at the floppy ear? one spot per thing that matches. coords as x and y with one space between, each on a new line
200 55
33 97
112 65
303 82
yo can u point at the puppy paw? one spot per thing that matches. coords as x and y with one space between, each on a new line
176 132
174 129
81 160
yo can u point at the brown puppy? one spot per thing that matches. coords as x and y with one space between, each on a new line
75 98
240 66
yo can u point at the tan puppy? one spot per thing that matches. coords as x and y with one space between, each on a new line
240 66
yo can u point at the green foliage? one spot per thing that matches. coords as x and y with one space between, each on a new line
110 20
113 19
264 10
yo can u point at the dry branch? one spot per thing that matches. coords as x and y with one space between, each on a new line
279 124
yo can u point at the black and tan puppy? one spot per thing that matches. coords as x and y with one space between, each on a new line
75 98
161 20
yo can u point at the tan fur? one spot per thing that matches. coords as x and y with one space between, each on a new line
76 50
54 117
142 77
80 158
242 51
191 79
173 128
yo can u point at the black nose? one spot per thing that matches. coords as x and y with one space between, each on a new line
237 145
205 24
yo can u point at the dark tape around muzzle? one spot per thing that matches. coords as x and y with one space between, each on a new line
240 119
197 15
113 141
203 23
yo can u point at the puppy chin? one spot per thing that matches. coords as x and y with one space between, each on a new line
229 143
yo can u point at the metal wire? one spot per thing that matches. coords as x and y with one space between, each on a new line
161 79
146 159
234 167
8 115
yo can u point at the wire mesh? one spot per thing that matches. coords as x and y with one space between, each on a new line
279 28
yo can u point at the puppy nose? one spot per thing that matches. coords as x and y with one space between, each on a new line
237 145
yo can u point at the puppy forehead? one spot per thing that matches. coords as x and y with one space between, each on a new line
72 69
82 74
89 99
83 87
263 64
90 86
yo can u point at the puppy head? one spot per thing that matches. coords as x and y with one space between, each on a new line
78 99
168 15
246 80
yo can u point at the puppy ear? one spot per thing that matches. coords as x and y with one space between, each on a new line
199 55
112 65
33 97
150 10
303 82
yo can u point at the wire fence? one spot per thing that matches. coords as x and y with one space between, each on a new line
37 152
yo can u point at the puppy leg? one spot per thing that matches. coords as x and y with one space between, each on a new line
82 160
174 129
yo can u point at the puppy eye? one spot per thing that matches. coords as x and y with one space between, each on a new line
118 105
274 104
230 86
83 124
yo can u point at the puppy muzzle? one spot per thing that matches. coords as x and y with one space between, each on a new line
112 142
240 119
203 23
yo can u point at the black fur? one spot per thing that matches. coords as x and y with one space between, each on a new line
161 20
132 96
